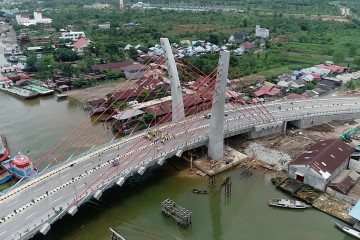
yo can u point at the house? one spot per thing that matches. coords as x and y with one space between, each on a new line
115 67
81 45
241 36
26 20
321 163
334 69
261 32
293 96
72 35
247 45
344 181
267 92
128 117
104 26
134 71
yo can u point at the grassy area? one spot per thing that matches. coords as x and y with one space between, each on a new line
275 71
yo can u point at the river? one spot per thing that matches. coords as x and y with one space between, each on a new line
35 126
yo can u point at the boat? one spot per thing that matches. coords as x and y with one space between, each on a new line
349 231
42 91
287 203
4 148
13 59
20 167
199 191
9 72
17 91
5 176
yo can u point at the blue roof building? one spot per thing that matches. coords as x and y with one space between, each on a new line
10 11
355 211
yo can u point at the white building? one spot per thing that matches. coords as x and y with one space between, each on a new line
81 45
72 35
261 32
26 20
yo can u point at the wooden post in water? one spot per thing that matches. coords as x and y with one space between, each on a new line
212 180
115 235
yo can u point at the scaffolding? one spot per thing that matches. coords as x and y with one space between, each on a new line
181 215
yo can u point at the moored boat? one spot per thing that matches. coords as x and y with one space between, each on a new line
42 91
17 91
20 167
349 231
287 203
199 191
5 176
4 148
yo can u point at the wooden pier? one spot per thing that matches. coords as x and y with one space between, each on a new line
181 215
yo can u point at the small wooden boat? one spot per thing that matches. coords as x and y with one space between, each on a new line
349 231
199 191
286 203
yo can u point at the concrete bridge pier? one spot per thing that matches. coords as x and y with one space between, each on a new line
267 129
176 94
216 136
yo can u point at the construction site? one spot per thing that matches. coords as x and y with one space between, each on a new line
274 152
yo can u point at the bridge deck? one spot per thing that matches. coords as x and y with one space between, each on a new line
48 197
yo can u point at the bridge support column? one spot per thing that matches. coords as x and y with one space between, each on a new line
121 181
45 228
216 136
176 95
141 170
98 194
72 210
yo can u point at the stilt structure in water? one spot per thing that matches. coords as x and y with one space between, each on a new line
181 215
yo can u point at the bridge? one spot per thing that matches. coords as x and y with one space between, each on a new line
33 206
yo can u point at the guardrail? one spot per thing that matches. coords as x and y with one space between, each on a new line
52 216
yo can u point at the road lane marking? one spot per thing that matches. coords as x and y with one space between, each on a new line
30 215
2 233
65 175
12 203
87 165
109 154
57 199
81 186
39 189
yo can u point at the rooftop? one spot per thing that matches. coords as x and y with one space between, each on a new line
325 156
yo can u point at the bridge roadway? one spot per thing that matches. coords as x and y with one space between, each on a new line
25 210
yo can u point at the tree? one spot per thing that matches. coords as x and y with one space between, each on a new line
357 62
67 69
351 85
65 55
352 50
31 61
133 53
298 90
338 57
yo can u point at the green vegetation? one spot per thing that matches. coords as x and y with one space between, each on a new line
297 40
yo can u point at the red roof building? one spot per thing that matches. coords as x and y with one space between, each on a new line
115 67
321 163
333 68
247 45
81 45
268 92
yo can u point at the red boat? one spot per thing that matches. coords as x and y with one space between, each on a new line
4 149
